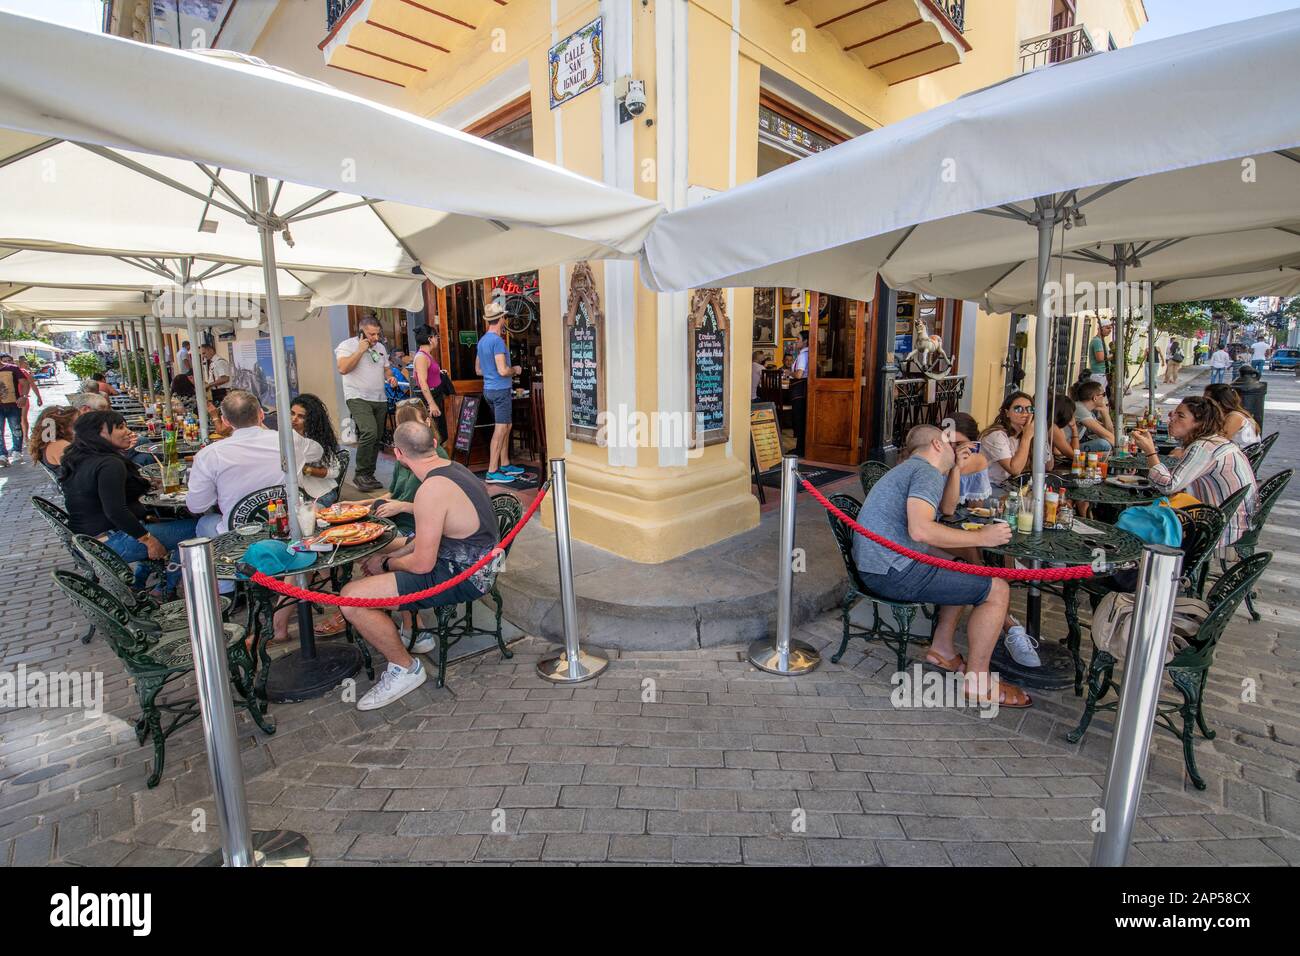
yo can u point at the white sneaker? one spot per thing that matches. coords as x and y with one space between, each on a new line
1022 647
425 643
393 683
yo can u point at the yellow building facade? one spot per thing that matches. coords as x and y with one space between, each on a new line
733 88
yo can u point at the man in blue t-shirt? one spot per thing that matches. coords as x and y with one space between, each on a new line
492 362
902 507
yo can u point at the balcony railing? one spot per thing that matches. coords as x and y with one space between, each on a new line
335 10
1055 47
923 401
954 10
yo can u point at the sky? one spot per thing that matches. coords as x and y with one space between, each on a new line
85 14
1170 17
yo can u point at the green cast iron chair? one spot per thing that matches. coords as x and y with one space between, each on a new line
1270 490
1188 669
1257 452
154 659
115 576
894 636
61 525
450 629
869 472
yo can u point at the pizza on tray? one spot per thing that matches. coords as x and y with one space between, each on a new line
342 512
346 535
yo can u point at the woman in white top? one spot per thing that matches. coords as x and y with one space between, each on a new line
319 479
1238 424
1008 441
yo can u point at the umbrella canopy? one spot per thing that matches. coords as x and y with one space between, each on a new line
150 167
32 280
929 196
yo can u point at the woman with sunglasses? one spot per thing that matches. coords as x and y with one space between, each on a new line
1008 441
1211 468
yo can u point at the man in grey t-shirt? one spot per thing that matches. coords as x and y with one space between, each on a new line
902 507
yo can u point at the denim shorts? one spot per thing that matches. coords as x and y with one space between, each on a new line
502 403
926 584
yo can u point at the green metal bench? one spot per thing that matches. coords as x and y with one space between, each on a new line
115 576
155 658
450 629
895 636
1188 670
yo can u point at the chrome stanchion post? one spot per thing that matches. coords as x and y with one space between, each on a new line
239 846
575 664
1144 667
787 656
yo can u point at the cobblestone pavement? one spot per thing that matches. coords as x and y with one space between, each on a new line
691 757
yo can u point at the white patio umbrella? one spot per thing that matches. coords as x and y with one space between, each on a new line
145 165
1211 150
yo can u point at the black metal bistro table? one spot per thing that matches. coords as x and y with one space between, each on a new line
184 449
1059 548
1137 464
329 665
161 503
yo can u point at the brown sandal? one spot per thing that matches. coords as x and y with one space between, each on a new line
1009 696
334 624
952 665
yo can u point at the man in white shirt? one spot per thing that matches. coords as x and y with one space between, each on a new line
1220 362
228 471
216 372
799 394
756 375
1259 355
363 362
183 359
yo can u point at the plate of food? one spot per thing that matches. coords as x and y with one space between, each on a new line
343 512
361 532
1131 482
980 512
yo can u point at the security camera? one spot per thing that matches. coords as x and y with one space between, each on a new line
634 102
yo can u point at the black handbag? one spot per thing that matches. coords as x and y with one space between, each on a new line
445 386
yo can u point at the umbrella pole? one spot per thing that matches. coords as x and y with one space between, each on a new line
148 365
196 370
1148 306
162 372
1117 380
311 671
1042 346
123 371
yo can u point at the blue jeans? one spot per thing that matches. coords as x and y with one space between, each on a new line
11 415
170 533
1259 365
1218 375
1095 444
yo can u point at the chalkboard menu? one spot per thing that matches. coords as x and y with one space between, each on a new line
585 356
584 403
466 421
710 352
709 342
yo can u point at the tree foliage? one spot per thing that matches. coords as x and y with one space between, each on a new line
85 364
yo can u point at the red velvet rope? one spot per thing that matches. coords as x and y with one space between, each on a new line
323 597
978 570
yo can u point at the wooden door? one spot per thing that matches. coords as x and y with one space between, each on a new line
837 330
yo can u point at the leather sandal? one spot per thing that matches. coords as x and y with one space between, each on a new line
952 665
1010 696
334 624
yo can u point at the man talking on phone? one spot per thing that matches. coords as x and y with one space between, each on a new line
363 363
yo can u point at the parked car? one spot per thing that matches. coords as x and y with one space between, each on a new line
1285 359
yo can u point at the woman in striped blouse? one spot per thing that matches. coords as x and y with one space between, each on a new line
1211 468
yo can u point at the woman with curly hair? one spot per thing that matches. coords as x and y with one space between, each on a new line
319 479
1211 467
51 435
1238 424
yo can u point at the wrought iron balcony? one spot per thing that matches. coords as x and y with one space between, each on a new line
334 11
1056 47
955 11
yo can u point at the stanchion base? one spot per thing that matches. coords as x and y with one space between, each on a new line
293 677
803 658
1056 672
557 671
279 848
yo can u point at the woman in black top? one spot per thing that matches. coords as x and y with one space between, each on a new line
102 488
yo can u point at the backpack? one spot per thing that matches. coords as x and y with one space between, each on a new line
1154 524
1110 623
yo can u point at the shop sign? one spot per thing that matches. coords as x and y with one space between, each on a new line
584 321
469 337
710 348
772 125
577 63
